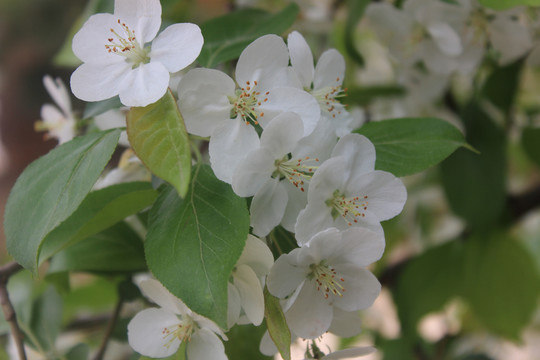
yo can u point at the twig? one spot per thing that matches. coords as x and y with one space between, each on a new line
522 204
9 313
109 331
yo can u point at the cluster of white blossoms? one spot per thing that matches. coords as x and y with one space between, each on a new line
278 133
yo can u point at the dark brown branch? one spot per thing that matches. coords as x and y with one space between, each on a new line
520 205
9 313
110 328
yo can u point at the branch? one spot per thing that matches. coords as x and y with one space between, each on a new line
9 313
109 331
520 205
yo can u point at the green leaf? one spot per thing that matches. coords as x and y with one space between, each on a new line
507 4
99 107
422 290
51 189
277 325
410 145
356 10
502 85
193 244
475 184
78 352
244 342
501 283
100 210
227 36
530 138
117 249
158 135
46 319
364 96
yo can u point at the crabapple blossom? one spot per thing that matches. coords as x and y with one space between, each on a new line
213 105
111 119
129 169
59 121
246 301
122 56
326 273
159 332
346 191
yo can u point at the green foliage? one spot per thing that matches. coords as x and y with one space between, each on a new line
277 325
193 244
363 96
100 210
356 11
244 342
227 36
46 321
159 138
530 138
78 352
475 184
410 145
117 249
507 4
501 283
51 189
502 84
99 107
421 289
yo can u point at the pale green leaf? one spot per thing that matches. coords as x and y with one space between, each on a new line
507 4
277 325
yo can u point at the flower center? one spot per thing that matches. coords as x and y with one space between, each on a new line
350 208
328 96
246 103
297 171
327 279
182 331
127 46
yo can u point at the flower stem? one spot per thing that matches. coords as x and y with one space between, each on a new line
9 313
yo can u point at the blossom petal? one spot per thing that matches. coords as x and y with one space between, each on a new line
203 101
229 145
282 134
145 333
330 70
58 92
268 206
350 353
510 38
145 85
262 58
204 344
345 323
252 173
285 276
446 39
89 42
91 82
251 293
297 200
142 16
257 256
301 58
112 119
267 346
233 306
358 152
360 246
156 292
177 46
362 287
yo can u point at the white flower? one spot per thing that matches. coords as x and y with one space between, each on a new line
58 121
159 332
324 81
130 168
111 119
346 191
278 172
212 105
328 272
246 300
118 61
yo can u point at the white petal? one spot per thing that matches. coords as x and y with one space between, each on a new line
143 16
91 82
253 172
360 246
350 353
446 39
203 101
268 206
330 70
261 58
313 219
177 46
286 276
145 85
156 292
510 38
251 293
267 346
362 288
281 136
233 305
310 315
436 61
301 58
257 256
386 193
319 143
297 200
89 42
229 145
358 152
282 100
204 344
113 119
50 114
345 323
145 333
58 92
